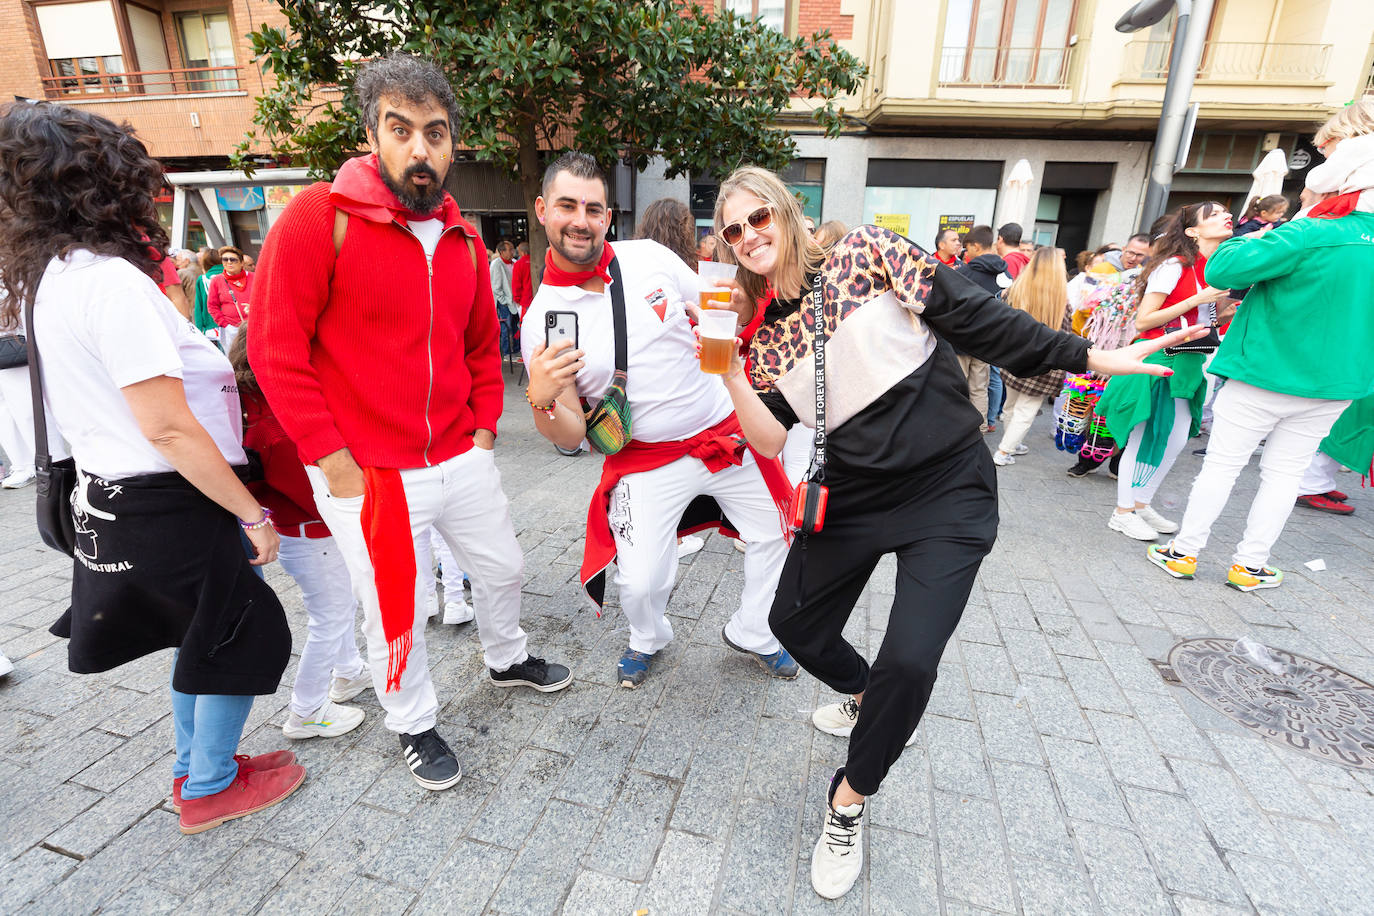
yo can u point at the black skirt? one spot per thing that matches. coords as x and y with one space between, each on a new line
159 565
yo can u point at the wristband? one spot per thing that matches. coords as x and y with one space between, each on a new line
548 409
260 523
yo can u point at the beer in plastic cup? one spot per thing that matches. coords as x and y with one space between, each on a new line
717 330
709 273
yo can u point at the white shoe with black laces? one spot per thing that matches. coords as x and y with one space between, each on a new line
432 763
838 857
838 719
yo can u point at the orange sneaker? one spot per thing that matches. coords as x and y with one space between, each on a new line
249 792
246 765
1247 579
1175 564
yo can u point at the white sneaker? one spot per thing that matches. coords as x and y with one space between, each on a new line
18 479
342 690
838 719
330 721
838 857
6 666
1021 449
1002 459
689 545
456 612
1157 521
1132 525
433 607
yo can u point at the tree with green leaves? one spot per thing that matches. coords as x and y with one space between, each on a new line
618 79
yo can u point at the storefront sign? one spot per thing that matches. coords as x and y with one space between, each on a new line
240 199
960 224
899 223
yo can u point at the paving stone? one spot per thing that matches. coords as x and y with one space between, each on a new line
1092 684
1192 906
978 626
1030 653
1065 635
595 894
1266 778
1085 785
903 802
901 874
715 773
777 764
1053 707
1170 728
762 854
419 844
1051 888
544 869
597 770
684 877
465 881
973 864
370 897
129 759
246 878
989 669
1121 873
512 810
1278 887
1031 814
1337 867
1232 817
29 876
1130 753
956 756
1008 733
627 847
142 900
323 799
112 815
102 877
1183 852
45 813
1010 610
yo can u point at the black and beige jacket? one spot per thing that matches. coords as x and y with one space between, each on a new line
897 401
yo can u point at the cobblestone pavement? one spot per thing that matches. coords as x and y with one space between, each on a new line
1056 772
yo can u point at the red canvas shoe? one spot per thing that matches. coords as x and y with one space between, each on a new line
1322 503
249 792
246 765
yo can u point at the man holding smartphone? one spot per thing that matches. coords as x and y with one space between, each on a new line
384 371
684 436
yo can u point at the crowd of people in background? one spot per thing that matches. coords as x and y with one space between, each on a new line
163 370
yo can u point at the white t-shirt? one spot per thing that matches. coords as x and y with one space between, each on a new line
428 232
101 325
1165 277
670 397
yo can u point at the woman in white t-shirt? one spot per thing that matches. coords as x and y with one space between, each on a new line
151 413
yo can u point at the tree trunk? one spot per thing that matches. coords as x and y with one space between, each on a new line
531 179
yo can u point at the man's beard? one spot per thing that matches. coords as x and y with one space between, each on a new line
413 197
592 258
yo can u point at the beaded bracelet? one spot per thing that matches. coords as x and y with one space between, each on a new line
547 409
260 523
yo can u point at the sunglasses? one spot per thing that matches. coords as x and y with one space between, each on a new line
760 220
229 260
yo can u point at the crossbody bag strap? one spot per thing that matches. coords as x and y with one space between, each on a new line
816 471
618 316
42 459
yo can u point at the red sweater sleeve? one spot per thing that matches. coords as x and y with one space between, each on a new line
483 350
292 290
521 286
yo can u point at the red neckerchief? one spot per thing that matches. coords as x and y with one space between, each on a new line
240 282
556 276
948 262
508 260
1335 207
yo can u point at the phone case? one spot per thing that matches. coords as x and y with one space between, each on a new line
560 325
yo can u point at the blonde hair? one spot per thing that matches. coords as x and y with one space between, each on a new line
798 254
1041 289
1354 120
829 233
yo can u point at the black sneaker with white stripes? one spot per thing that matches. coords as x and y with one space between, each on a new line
432 763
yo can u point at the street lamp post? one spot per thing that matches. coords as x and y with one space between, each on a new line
1190 33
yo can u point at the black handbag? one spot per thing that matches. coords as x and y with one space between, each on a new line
14 352
1208 343
56 479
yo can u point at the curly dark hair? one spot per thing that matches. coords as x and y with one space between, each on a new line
670 223
70 179
407 78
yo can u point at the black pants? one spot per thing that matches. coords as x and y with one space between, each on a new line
940 529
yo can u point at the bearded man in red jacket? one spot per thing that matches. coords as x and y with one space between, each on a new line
375 344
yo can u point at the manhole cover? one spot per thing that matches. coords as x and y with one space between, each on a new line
1290 700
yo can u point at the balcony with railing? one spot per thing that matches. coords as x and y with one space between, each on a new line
1233 61
100 78
1005 67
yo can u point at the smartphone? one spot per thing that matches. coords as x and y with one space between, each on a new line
560 326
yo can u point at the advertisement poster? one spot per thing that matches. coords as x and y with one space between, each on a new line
960 224
899 223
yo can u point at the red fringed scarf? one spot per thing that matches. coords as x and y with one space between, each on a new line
556 276
391 548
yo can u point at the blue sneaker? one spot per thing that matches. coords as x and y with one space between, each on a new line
633 668
778 664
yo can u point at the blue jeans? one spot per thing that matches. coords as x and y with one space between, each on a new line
997 393
208 728
507 336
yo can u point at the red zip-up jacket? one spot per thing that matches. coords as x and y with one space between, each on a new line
377 350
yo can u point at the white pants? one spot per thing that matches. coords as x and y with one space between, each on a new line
1320 476
1138 483
1293 427
432 549
463 500
16 418
645 509
1020 410
331 649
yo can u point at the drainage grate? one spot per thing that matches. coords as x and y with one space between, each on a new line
1288 699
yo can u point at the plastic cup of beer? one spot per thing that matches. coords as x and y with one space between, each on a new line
709 273
717 330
